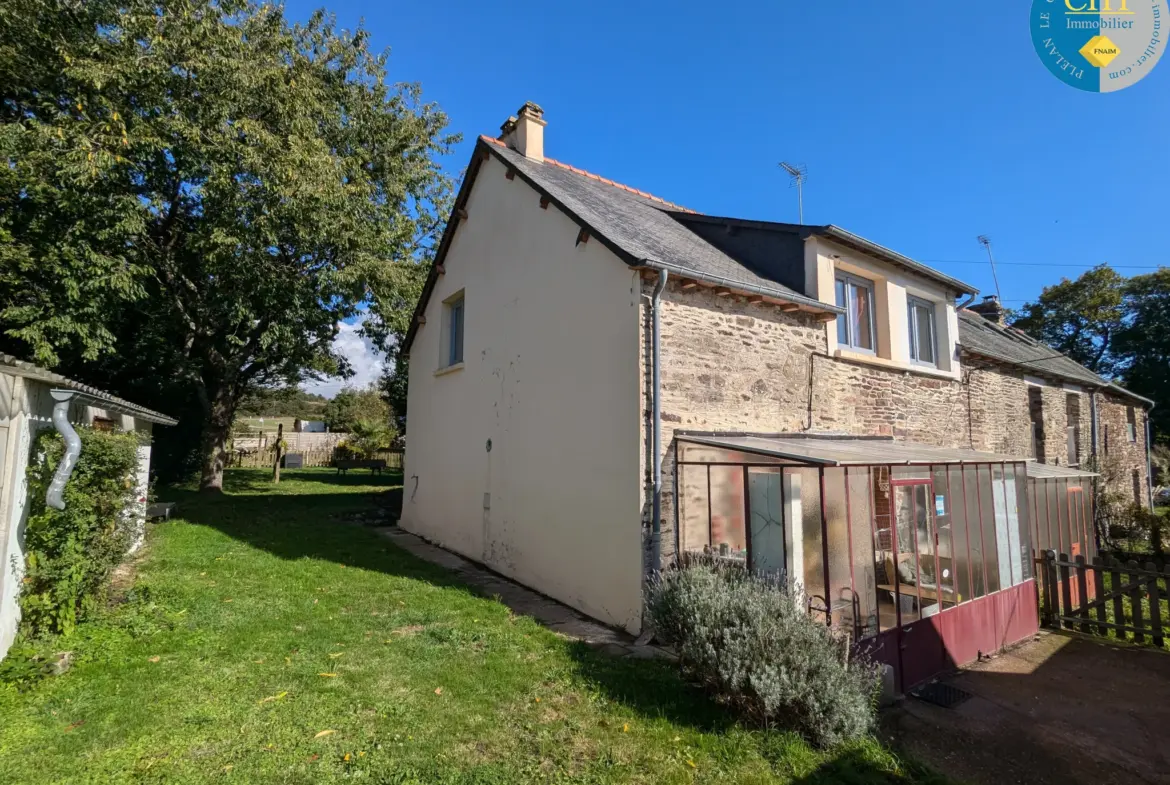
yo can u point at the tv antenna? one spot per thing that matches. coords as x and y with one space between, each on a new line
797 175
985 241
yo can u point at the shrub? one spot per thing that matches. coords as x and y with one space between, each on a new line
368 437
754 647
70 553
350 406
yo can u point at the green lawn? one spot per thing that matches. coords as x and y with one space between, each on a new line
266 640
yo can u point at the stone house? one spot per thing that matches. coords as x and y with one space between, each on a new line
575 334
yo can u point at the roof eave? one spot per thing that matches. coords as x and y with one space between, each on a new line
477 159
478 156
743 287
26 370
893 257
1100 384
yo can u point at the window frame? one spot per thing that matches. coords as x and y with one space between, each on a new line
453 332
870 287
456 315
912 304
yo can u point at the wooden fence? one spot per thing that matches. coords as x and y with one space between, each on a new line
255 459
1106 597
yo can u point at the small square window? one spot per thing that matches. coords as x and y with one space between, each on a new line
920 322
855 327
452 339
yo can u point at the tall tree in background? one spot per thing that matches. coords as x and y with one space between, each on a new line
350 406
1079 318
196 192
1144 344
1117 327
395 297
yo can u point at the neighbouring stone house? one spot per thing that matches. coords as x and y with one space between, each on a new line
571 323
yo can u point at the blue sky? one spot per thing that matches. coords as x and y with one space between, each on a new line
922 125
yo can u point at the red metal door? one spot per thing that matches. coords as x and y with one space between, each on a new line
918 588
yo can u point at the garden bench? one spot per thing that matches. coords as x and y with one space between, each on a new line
373 464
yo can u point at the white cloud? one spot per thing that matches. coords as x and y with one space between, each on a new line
367 362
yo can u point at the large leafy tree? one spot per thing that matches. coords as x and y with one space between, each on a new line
1144 344
350 406
1118 327
196 192
1080 318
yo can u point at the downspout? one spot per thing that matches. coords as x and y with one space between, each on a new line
1093 424
966 302
656 409
1149 462
54 497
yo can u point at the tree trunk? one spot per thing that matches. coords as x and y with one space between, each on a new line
216 430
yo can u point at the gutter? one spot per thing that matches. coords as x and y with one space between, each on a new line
54 496
749 288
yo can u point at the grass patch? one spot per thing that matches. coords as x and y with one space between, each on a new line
266 640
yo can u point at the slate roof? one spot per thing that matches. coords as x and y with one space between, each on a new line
641 230
981 336
638 226
984 337
17 367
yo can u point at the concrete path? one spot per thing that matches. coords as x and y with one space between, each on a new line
1062 710
559 618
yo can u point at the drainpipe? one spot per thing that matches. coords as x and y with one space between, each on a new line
1149 462
655 331
1093 423
53 497
966 302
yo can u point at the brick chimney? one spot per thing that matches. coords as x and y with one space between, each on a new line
525 132
989 309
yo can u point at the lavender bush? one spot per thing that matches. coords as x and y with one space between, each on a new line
755 647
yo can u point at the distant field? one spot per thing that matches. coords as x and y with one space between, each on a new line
266 423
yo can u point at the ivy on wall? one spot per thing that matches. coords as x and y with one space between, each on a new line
70 553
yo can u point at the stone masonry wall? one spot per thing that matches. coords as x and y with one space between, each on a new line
730 365
1123 456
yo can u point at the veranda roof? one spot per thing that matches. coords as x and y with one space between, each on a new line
845 450
1044 471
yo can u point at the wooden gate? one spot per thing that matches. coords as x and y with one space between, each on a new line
1104 597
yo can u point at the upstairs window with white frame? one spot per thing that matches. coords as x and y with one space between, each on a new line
452 337
856 327
923 335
